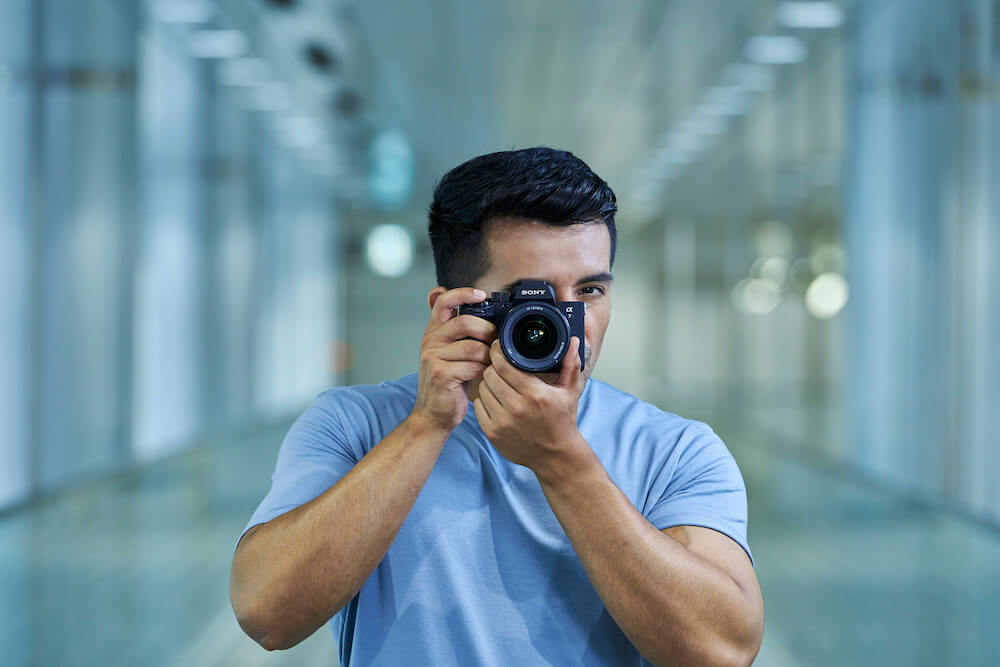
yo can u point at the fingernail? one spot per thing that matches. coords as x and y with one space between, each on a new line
479 294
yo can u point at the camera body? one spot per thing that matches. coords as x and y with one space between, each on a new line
533 328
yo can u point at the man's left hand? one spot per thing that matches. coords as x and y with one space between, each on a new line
529 421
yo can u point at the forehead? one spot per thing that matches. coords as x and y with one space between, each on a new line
517 249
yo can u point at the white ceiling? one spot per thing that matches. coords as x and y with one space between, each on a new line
604 79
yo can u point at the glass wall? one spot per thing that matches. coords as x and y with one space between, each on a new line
170 266
168 255
16 247
88 198
827 241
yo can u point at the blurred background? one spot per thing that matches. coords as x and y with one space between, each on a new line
212 210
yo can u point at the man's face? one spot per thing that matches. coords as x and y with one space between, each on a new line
574 259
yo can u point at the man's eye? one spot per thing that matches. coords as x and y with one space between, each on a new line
592 289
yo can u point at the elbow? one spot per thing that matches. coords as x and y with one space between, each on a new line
268 643
723 654
260 628
743 651
715 650
254 617
741 656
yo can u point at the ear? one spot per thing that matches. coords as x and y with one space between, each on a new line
433 295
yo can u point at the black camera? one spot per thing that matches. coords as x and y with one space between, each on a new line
534 329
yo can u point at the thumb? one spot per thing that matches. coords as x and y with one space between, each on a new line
570 364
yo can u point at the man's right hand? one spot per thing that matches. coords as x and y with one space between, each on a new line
293 573
454 350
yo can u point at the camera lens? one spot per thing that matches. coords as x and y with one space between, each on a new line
533 337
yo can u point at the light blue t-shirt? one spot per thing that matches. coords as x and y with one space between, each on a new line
481 572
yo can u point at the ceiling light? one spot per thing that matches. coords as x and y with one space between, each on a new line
707 124
727 101
756 296
389 250
809 15
392 169
218 44
773 269
755 78
776 50
826 295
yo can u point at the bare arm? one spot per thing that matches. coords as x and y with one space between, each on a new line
290 575
683 596
293 573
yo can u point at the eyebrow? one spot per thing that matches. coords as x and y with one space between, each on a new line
603 277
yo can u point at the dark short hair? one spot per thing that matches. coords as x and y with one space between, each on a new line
551 186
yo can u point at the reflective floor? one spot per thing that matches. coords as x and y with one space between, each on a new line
134 570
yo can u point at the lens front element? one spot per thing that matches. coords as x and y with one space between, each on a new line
535 336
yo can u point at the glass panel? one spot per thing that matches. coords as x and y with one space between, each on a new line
88 137
15 248
169 280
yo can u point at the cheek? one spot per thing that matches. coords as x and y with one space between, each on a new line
596 324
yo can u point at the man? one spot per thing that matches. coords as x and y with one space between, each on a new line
475 514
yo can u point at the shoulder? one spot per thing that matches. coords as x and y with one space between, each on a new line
604 402
371 396
369 412
652 436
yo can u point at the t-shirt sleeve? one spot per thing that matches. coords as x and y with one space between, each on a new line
319 448
705 487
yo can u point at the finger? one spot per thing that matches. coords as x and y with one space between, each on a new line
465 350
503 392
463 371
570 364
490 402
482 416
470 370
519 381
464 326
444 307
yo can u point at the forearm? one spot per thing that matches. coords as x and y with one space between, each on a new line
293 573
676 607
